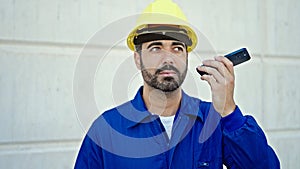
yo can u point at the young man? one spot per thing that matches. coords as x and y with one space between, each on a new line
163 127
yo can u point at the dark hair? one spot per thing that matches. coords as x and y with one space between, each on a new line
138 48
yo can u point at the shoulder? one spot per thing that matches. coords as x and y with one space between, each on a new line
115 114
108 121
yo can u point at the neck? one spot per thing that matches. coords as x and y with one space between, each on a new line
161 103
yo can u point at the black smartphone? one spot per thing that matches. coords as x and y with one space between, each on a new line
236 57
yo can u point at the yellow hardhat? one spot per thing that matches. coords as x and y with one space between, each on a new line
168 14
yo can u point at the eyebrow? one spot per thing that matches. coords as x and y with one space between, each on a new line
154 44
160 44
178 43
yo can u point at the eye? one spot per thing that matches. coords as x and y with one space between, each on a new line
178 49
155 49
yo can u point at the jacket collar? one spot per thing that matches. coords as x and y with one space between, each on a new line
139 114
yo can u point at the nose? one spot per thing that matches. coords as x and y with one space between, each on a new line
168 58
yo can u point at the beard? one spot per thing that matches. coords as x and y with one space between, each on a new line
166 84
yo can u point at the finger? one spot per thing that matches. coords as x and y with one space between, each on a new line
201 70
210 79
217 65
212 71
228 64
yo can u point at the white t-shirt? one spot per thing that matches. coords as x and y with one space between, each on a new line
167 121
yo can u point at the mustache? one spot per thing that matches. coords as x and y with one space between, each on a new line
167 67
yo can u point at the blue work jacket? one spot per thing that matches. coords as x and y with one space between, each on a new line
130 137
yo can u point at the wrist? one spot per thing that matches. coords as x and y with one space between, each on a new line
233 121
228 110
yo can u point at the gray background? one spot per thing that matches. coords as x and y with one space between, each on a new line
41 40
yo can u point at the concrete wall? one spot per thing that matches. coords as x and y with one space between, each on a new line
40 42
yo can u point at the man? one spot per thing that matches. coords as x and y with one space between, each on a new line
163 127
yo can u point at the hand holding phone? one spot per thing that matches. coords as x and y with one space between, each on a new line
236 57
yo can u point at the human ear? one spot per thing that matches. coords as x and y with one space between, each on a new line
137 60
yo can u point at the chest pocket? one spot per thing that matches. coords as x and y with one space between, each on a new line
201 164
212 164
208 155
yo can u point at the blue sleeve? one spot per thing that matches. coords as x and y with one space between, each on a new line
245 144
89 156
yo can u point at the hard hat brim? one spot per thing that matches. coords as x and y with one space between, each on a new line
162 33
146 33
